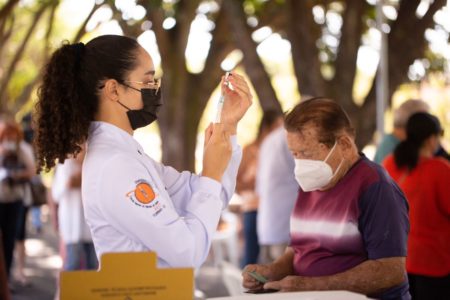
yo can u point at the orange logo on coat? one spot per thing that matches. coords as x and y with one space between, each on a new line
144 193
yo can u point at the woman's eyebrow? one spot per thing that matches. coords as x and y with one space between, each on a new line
151 72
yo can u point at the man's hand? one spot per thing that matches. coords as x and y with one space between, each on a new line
287 284
250 282
277 270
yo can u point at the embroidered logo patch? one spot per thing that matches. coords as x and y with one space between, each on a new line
145 195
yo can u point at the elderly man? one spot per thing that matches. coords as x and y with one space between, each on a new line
350 224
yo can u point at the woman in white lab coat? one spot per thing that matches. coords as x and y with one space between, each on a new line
100 93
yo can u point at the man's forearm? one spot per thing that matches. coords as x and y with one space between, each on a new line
370 277
283 266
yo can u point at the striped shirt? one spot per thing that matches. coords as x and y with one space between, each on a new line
364 216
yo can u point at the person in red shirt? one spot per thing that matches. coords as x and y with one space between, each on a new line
425 180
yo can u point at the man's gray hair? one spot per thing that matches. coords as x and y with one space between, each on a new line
407 109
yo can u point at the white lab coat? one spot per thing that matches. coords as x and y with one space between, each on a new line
72 224
133 203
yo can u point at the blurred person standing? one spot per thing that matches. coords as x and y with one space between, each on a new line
277 191
26 148
74 232
28 135
16 168
425 180
245 185
401 116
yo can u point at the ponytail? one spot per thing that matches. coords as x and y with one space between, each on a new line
406 154
419 128
68 96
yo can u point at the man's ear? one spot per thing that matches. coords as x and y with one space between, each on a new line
111 89
346 144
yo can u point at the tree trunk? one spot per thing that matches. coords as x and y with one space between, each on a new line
185 94
177 140
303 33
345 64
82 30
252 62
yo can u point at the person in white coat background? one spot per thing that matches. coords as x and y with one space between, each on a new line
100 93
277 190
73 230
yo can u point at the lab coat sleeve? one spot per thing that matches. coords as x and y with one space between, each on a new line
181 185
179 242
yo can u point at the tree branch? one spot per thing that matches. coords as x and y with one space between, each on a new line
50 26
5 35
252 62
407 11
18 54
403 49
220 47
427 19
82 30
272 15
6 10
28 89
129 29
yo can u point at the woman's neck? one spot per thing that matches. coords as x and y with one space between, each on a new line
425 152
115 117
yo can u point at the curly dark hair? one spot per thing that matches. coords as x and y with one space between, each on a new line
68 98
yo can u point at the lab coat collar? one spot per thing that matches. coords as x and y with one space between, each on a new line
120 137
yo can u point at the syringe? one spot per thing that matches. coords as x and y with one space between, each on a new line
222 100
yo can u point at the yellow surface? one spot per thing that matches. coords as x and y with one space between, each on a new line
128 276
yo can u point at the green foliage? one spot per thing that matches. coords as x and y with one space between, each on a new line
267 10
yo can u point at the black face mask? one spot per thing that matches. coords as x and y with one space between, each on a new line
149 113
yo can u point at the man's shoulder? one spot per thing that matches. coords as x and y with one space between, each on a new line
369 175
368 171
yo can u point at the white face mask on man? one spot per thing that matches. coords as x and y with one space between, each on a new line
313 175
